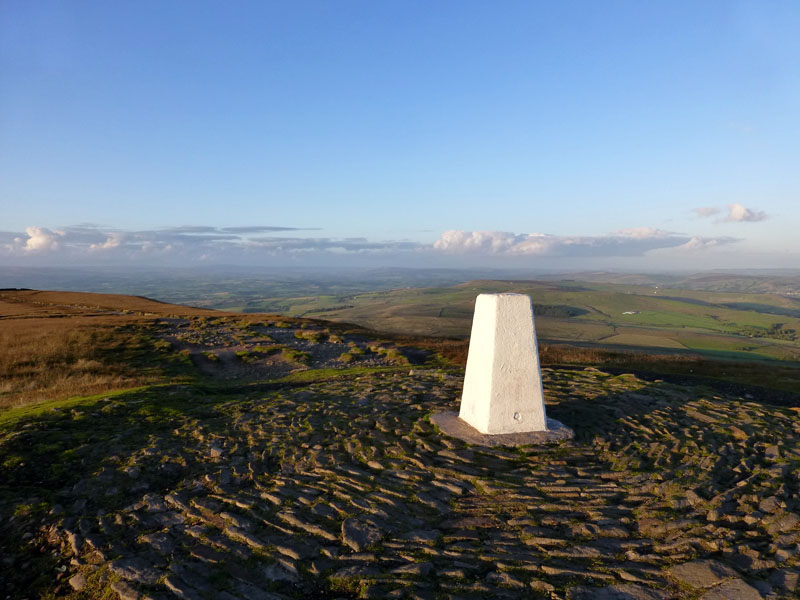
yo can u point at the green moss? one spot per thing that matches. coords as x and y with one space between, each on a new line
311 335
267 349
396 357
296 356
13 416
314 375
31 510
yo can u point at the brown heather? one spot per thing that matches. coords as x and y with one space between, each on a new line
62 344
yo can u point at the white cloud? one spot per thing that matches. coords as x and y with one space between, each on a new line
114 240
40 240
626 242
477 241
188 244
253 245
737 213
706 211
643 232
703 243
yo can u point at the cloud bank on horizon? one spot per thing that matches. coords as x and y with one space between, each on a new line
186 245
626 242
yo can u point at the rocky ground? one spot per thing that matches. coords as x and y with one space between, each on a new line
256 349
343 489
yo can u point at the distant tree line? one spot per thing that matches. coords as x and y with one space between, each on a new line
775 331
557 310
329 309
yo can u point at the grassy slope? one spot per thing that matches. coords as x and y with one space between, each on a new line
60 344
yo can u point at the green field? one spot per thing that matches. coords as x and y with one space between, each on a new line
733 325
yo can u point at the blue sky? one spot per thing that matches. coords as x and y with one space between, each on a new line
615 134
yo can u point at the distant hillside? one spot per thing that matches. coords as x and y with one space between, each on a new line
732 325
35 303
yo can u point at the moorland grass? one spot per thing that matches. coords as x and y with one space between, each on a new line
59 345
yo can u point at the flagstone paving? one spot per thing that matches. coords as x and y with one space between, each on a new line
343 489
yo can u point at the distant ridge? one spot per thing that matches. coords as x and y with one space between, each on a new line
106 302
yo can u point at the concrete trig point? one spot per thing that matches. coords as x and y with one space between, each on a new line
503 401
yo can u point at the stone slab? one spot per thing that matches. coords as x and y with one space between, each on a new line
450 424
702 573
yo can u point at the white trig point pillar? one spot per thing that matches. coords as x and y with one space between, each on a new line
503 382
503 401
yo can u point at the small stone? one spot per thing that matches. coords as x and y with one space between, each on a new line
782 522
282 571
356 571
154 502
504 579
135 569
251 592
75 542
785 579
702 573
240 535
125 591
421 569
181 589
692 498
360 534
538 585
624 591
769 505
428 536
162 542
735 589
78 582
324 510
738 433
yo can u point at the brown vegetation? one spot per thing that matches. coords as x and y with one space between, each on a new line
58 304
50 358
61 344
